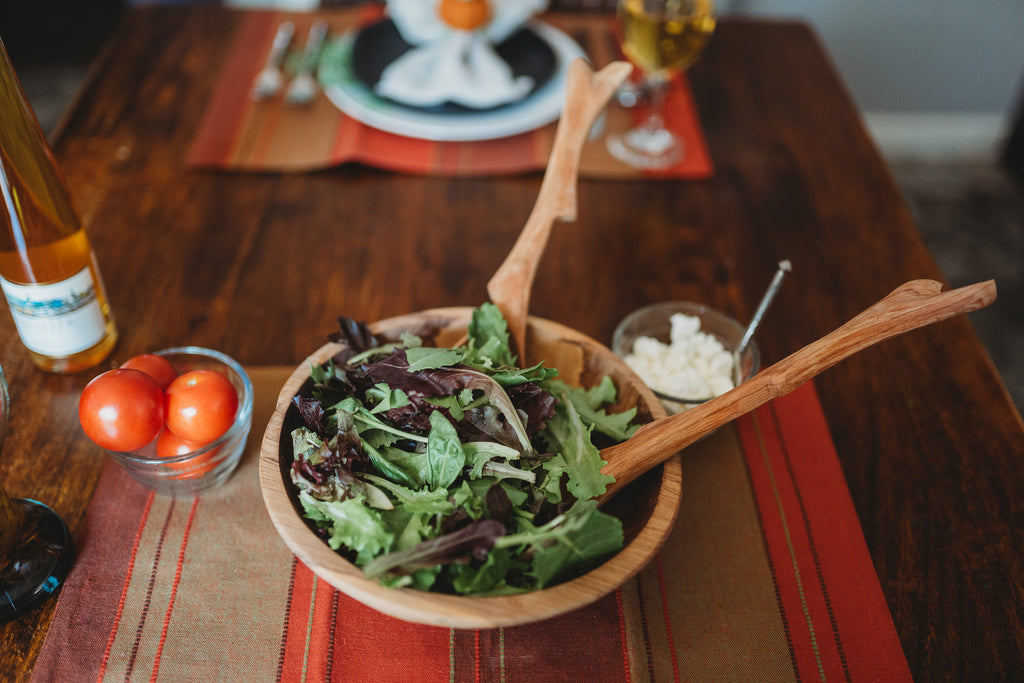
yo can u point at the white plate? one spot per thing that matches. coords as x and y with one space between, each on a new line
540 108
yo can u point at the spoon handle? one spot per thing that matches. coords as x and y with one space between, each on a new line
586 96
910 306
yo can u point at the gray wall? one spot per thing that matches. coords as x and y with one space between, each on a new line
937 56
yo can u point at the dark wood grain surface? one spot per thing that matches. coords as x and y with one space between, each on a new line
260 265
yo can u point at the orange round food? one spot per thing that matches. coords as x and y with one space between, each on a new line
201 405
121 410
169 445
466 15
157 367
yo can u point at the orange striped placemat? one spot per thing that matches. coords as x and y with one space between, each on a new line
766 577
238 134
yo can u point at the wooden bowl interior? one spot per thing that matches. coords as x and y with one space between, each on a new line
647 508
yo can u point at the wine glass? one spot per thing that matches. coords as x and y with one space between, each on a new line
35 546
661 38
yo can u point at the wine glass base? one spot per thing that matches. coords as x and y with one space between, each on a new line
37 566
646 148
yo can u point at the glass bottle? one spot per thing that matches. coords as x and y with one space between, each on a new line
48 272
36 550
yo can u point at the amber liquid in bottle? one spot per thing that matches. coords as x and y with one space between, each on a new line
48 273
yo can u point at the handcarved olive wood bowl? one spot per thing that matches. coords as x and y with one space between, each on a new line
647 507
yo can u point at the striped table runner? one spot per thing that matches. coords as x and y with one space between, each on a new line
238 134
766 577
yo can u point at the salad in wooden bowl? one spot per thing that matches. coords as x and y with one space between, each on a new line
458 506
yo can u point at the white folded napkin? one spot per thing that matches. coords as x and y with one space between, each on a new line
447 64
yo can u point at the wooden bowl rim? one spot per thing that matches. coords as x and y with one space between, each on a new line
437 609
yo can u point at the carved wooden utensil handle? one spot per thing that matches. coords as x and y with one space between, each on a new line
910 306
586 95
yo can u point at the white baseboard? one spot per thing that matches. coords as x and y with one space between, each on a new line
937 136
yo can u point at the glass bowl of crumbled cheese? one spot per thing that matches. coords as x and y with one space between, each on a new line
684 352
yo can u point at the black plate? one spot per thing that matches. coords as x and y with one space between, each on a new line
379 44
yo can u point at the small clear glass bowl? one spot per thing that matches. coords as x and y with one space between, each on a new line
211 465
655 321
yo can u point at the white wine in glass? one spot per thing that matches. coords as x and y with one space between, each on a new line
35 546
661 38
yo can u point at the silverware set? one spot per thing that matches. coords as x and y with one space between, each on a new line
302 88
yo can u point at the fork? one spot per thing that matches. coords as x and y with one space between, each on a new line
303 87
270 79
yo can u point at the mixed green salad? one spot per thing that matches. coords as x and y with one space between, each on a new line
453 470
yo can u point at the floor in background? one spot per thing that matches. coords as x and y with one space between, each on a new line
971 214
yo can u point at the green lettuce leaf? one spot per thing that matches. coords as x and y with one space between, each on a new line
587 538
488 341
351 524
578 458
589 404
427 358
445 458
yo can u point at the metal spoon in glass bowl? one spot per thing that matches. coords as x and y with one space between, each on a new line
762 307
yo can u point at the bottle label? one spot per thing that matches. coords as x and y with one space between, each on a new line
58 319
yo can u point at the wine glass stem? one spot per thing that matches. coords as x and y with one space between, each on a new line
656 114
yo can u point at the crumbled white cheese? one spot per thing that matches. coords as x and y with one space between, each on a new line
694 365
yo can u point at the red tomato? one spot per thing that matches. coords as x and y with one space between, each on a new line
201 405
157 367
121 410
169 445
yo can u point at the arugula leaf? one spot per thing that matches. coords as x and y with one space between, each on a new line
580 458
417 501
385 398
487 338
588 404
585 538
322 374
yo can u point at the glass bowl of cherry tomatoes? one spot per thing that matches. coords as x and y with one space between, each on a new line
176 420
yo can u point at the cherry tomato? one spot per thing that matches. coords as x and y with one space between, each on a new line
121 410
157 367
200 405
169 445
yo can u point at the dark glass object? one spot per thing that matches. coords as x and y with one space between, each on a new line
35 546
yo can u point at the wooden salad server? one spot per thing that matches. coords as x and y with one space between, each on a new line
912 305
586 95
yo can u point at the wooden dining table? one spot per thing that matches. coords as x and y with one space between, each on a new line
260 265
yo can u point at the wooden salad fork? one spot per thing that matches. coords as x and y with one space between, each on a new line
587 93
912 305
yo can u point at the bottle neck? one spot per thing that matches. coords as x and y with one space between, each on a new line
37 208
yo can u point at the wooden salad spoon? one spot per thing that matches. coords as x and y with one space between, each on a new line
912 305
586 95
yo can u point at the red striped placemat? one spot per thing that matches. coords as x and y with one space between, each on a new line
238 134
766 577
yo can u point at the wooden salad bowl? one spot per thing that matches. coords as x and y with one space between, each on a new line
647 508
